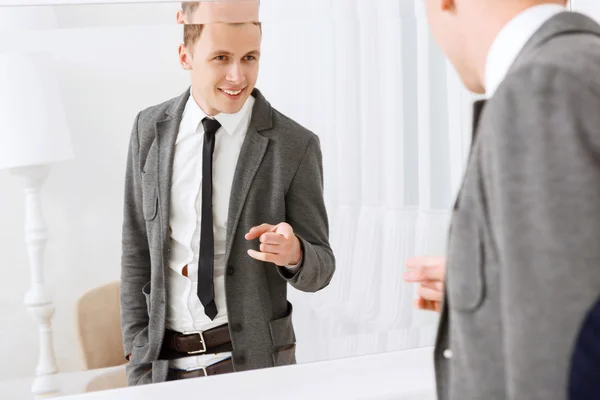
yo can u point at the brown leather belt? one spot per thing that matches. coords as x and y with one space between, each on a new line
178 345
222 367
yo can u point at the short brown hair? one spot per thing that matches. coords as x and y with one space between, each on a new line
192 32
189 7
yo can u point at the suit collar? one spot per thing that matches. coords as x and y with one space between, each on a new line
193 116
561 24
262 112
567 22
511 40
177 106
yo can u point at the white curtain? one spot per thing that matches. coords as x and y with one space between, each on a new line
394 124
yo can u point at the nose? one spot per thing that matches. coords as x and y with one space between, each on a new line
235 73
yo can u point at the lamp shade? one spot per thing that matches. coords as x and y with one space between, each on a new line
33 125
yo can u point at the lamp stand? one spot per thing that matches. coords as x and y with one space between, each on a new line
38 298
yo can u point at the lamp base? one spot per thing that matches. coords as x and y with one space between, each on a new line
45 387
38 299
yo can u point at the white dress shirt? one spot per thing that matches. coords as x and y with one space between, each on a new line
185 312
511 40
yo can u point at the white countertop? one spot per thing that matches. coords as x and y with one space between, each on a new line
397 375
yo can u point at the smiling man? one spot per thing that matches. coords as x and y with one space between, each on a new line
223 208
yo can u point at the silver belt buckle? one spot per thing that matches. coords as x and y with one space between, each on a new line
203 349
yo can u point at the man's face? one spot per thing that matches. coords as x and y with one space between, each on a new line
448 27
224 65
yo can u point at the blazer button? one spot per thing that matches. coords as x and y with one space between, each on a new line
239 359
447 353
237 327
230 270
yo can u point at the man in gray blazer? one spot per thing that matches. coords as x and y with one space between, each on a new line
523 267
223 208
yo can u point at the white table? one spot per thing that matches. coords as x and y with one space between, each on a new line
69 383
397 375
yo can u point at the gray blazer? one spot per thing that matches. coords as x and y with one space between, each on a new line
279 177
523 255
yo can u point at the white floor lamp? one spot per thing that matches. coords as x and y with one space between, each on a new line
33 135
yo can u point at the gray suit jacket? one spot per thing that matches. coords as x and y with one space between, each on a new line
278 178
523 255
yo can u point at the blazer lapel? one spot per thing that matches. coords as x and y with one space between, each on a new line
166 135
251 155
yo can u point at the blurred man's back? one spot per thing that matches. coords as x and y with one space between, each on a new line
523 260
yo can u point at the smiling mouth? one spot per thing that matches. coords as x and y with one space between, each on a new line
232 93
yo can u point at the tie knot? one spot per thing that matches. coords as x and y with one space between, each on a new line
211 126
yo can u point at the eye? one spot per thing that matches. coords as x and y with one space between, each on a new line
250 58
220 58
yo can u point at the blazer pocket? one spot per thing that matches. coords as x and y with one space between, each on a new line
146 292
466 283
284 339
150 202
139 341
285 356
139 351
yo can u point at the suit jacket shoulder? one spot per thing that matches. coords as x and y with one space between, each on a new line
290 128
568 44
148 117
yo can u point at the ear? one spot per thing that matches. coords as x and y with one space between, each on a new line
184 57
180 17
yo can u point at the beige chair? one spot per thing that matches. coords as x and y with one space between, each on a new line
99 329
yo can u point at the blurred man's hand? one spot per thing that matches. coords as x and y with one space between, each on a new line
429 273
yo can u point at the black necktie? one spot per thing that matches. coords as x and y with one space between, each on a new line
206 290
477 110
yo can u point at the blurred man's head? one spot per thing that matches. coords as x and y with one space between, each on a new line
231 11
466 29
223 60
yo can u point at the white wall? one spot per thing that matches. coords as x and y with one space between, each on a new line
107 75
394 125
589 7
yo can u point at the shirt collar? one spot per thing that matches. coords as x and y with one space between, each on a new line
511 40
229 122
